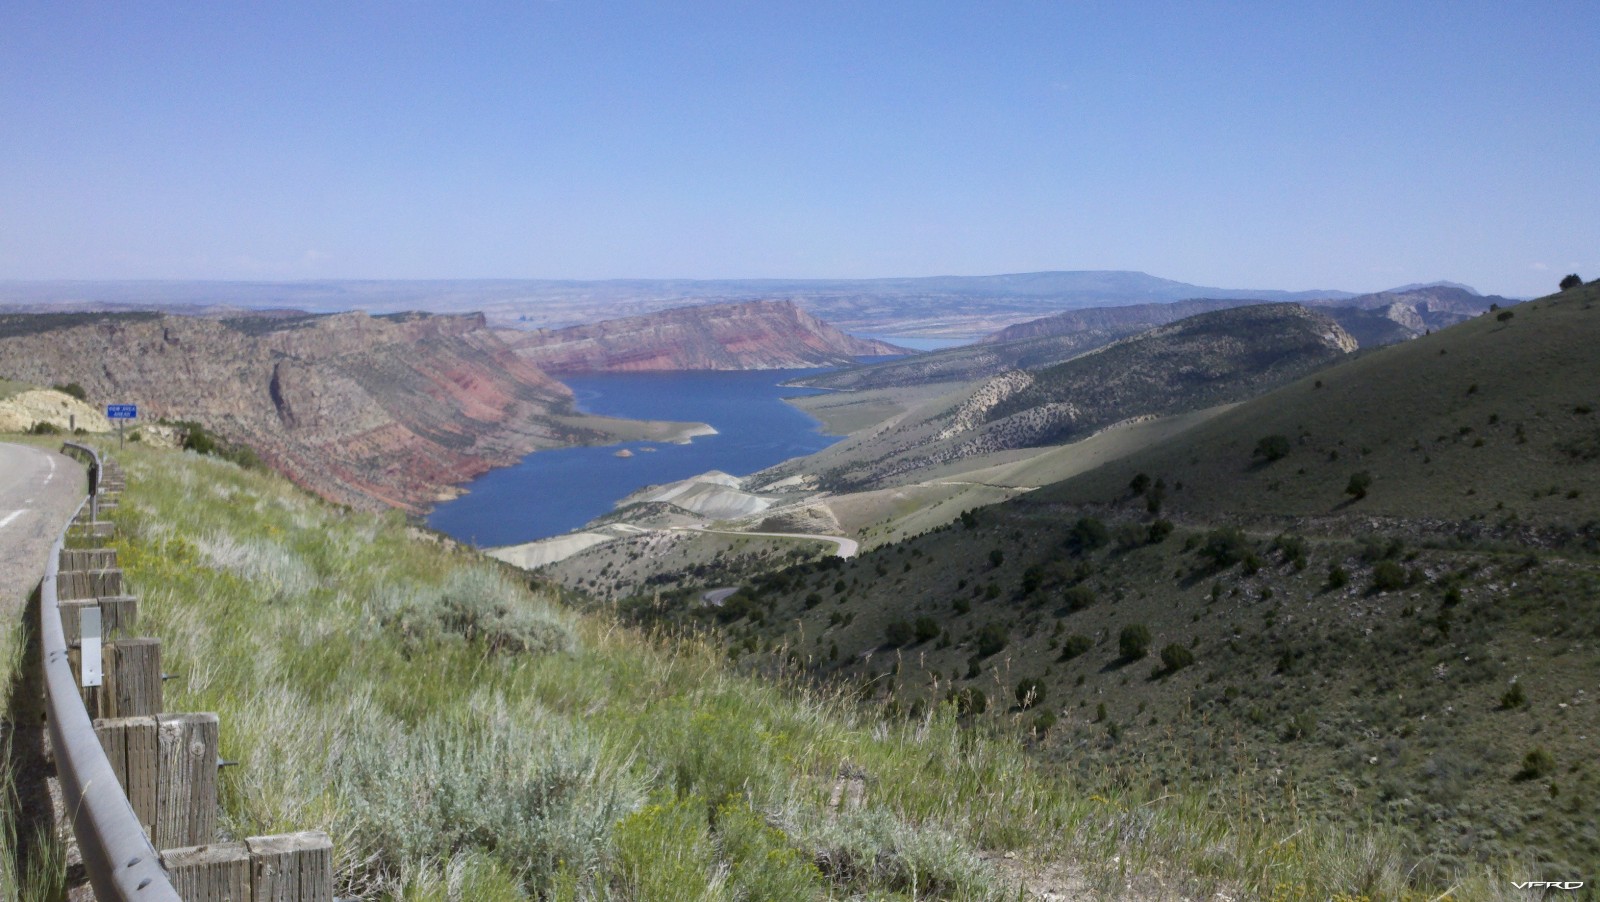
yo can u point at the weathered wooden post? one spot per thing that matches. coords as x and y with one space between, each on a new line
219 872
167 764
131 673
294 867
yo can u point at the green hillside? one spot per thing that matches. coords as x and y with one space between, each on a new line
1495 421
1201 617
462 734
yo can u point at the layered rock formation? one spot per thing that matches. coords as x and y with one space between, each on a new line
1202 361
366 411
750 336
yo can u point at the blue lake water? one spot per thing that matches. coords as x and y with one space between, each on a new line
552 492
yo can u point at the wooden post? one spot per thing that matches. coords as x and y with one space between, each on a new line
75 584
168 767
119 615
91 695
87 558
219 872
186 800
132 669
72 620
294 867
130 744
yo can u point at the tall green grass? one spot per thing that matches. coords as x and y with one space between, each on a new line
462 736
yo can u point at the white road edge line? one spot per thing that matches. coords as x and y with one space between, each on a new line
14 515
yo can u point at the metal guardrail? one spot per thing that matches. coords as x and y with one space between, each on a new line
121 863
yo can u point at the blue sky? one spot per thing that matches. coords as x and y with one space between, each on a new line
1281 145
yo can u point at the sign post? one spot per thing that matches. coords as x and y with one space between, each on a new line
121 413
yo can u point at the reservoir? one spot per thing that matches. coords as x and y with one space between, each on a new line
552 492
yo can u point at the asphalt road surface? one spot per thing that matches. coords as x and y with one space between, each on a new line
39 490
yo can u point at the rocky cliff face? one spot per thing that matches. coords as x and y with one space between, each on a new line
749 336
366 411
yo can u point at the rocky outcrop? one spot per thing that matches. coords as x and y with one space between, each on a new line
1202 361
366 411
26 410
750 336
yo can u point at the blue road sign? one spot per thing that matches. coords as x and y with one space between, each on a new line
122 411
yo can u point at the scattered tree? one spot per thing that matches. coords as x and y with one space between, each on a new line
1573 280
991 639
1075 645
1140 484
1175 657
1134 641
1030 692
1272 447
1087 535
1360 482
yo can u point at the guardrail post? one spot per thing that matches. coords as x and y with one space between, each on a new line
132 669
76 584
167 764
130 744
219 872
294 867
186 799
87 558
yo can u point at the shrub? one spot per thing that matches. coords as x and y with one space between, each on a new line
1514 697
1537 763
1077 598
991 639
1134 641
1131 535
1030 692
1075 645
926 628
1175 657
968 700
73 389
43 428
997 557
898 632
1504 315
479 605
1572 280
1087 535
1224 547
1158 532
1358 485
1139 484
1272 447
1388 576
1032 578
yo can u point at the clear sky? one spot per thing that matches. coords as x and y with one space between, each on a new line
1271 145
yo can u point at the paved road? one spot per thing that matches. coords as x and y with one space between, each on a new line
39 490
847 548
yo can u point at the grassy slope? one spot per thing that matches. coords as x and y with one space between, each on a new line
448 771
1354 704
462 737
1451 425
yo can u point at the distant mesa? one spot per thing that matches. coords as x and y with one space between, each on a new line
758 335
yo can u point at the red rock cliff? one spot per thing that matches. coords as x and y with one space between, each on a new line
366 411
